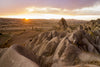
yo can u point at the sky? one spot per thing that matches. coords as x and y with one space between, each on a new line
50 9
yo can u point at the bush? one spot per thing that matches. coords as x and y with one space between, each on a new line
0 33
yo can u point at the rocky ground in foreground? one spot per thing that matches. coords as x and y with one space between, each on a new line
79 48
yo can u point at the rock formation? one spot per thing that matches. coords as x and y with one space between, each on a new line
63 24
17 56
52 49
81 48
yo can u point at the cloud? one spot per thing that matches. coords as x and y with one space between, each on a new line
44 10
60 7
94 10
65 4
88 11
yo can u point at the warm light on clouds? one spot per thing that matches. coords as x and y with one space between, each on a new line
88 10
50 9
42 9
94 10
54 16
57 13
30 9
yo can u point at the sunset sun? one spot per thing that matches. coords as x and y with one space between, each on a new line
26 19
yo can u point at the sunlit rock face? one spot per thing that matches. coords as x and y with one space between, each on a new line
2 51
17 56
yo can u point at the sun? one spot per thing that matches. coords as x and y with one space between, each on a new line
26 19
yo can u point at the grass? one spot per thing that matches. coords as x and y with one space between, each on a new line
4 39
94 62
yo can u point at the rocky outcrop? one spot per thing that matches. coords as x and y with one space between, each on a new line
18 56
62 49
56 49
63 24
2 51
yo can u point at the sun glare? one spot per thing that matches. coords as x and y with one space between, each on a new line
26 19
52 16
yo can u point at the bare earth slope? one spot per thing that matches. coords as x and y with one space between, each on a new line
21 38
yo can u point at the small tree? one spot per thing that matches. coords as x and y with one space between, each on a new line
0 33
